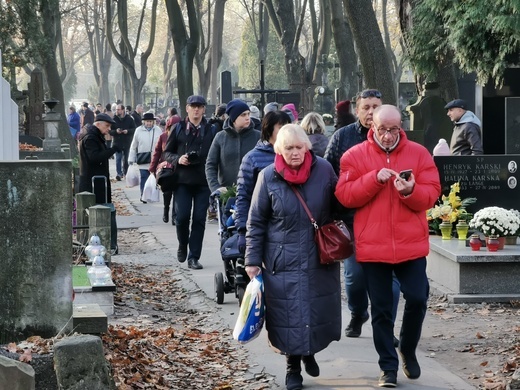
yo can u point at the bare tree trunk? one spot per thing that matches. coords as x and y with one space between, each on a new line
185 46
167 64
126 56
50 20
371 50
216 47
347 57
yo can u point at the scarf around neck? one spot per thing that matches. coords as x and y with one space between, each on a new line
291 175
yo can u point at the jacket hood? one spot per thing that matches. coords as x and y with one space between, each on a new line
469 117
264 146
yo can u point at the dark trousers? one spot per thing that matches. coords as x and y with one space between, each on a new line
415 288
191 202
168 196
145 174
122 157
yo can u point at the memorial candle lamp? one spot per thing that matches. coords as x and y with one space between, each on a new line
475 243
94 248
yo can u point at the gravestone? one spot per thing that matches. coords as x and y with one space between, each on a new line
8 121
428 115
492 179
226 90
34 112
36 242
512 125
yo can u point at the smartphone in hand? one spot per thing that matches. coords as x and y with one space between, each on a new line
405 174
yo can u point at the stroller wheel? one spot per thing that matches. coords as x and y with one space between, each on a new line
219 288
240 294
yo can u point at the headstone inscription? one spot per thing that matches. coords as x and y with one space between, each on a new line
492 179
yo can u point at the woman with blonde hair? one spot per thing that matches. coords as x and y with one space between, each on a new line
314 126
302 296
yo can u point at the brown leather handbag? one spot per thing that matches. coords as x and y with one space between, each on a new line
334 239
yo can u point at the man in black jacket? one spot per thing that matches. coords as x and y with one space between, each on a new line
122 132
94 155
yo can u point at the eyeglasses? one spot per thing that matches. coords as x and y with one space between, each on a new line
369 93
392 130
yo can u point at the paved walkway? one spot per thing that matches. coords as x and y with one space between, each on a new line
347 364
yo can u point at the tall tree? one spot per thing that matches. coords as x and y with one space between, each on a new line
128 52
93 16
41 33
185 45
345 50
375 64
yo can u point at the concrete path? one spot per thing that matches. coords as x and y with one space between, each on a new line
350 363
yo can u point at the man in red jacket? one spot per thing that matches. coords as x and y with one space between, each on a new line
391 231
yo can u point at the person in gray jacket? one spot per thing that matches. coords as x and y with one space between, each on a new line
230 146
302 296
467 135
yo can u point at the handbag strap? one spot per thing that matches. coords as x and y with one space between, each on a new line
304 204
153 135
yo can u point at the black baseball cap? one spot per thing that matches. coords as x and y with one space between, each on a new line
457 103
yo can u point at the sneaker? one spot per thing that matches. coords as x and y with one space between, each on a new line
118 178
354 327
411 367
182 253
388 379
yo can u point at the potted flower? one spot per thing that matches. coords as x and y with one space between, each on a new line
496 221
450 210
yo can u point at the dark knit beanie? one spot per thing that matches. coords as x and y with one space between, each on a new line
343 107
236 107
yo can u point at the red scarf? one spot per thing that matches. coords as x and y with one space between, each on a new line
291 175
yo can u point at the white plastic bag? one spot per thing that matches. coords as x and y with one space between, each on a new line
252 312
150 191
132 176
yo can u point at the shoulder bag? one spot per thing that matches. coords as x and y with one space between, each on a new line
146 157
334 239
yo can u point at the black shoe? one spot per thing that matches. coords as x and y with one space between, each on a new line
294 381
165 215
118 178
182 253
173 219
411 367
354 327
144 201
194 264
396 342
311 367
388 379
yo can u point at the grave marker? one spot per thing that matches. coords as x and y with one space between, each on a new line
492 179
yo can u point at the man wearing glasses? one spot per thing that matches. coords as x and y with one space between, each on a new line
390 231
341 141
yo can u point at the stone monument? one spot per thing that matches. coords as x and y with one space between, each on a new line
8 121
34 110
36 242
428 116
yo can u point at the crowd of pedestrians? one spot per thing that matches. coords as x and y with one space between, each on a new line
346 170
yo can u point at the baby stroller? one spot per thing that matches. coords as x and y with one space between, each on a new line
234 279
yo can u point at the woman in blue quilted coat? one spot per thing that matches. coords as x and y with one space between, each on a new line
302 296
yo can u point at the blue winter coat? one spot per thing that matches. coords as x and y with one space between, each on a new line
302 297
252 163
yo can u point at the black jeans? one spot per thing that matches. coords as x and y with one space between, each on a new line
415 288
191 202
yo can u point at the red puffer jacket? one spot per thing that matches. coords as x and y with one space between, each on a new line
388 227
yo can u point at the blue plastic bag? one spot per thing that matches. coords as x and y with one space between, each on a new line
252 312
